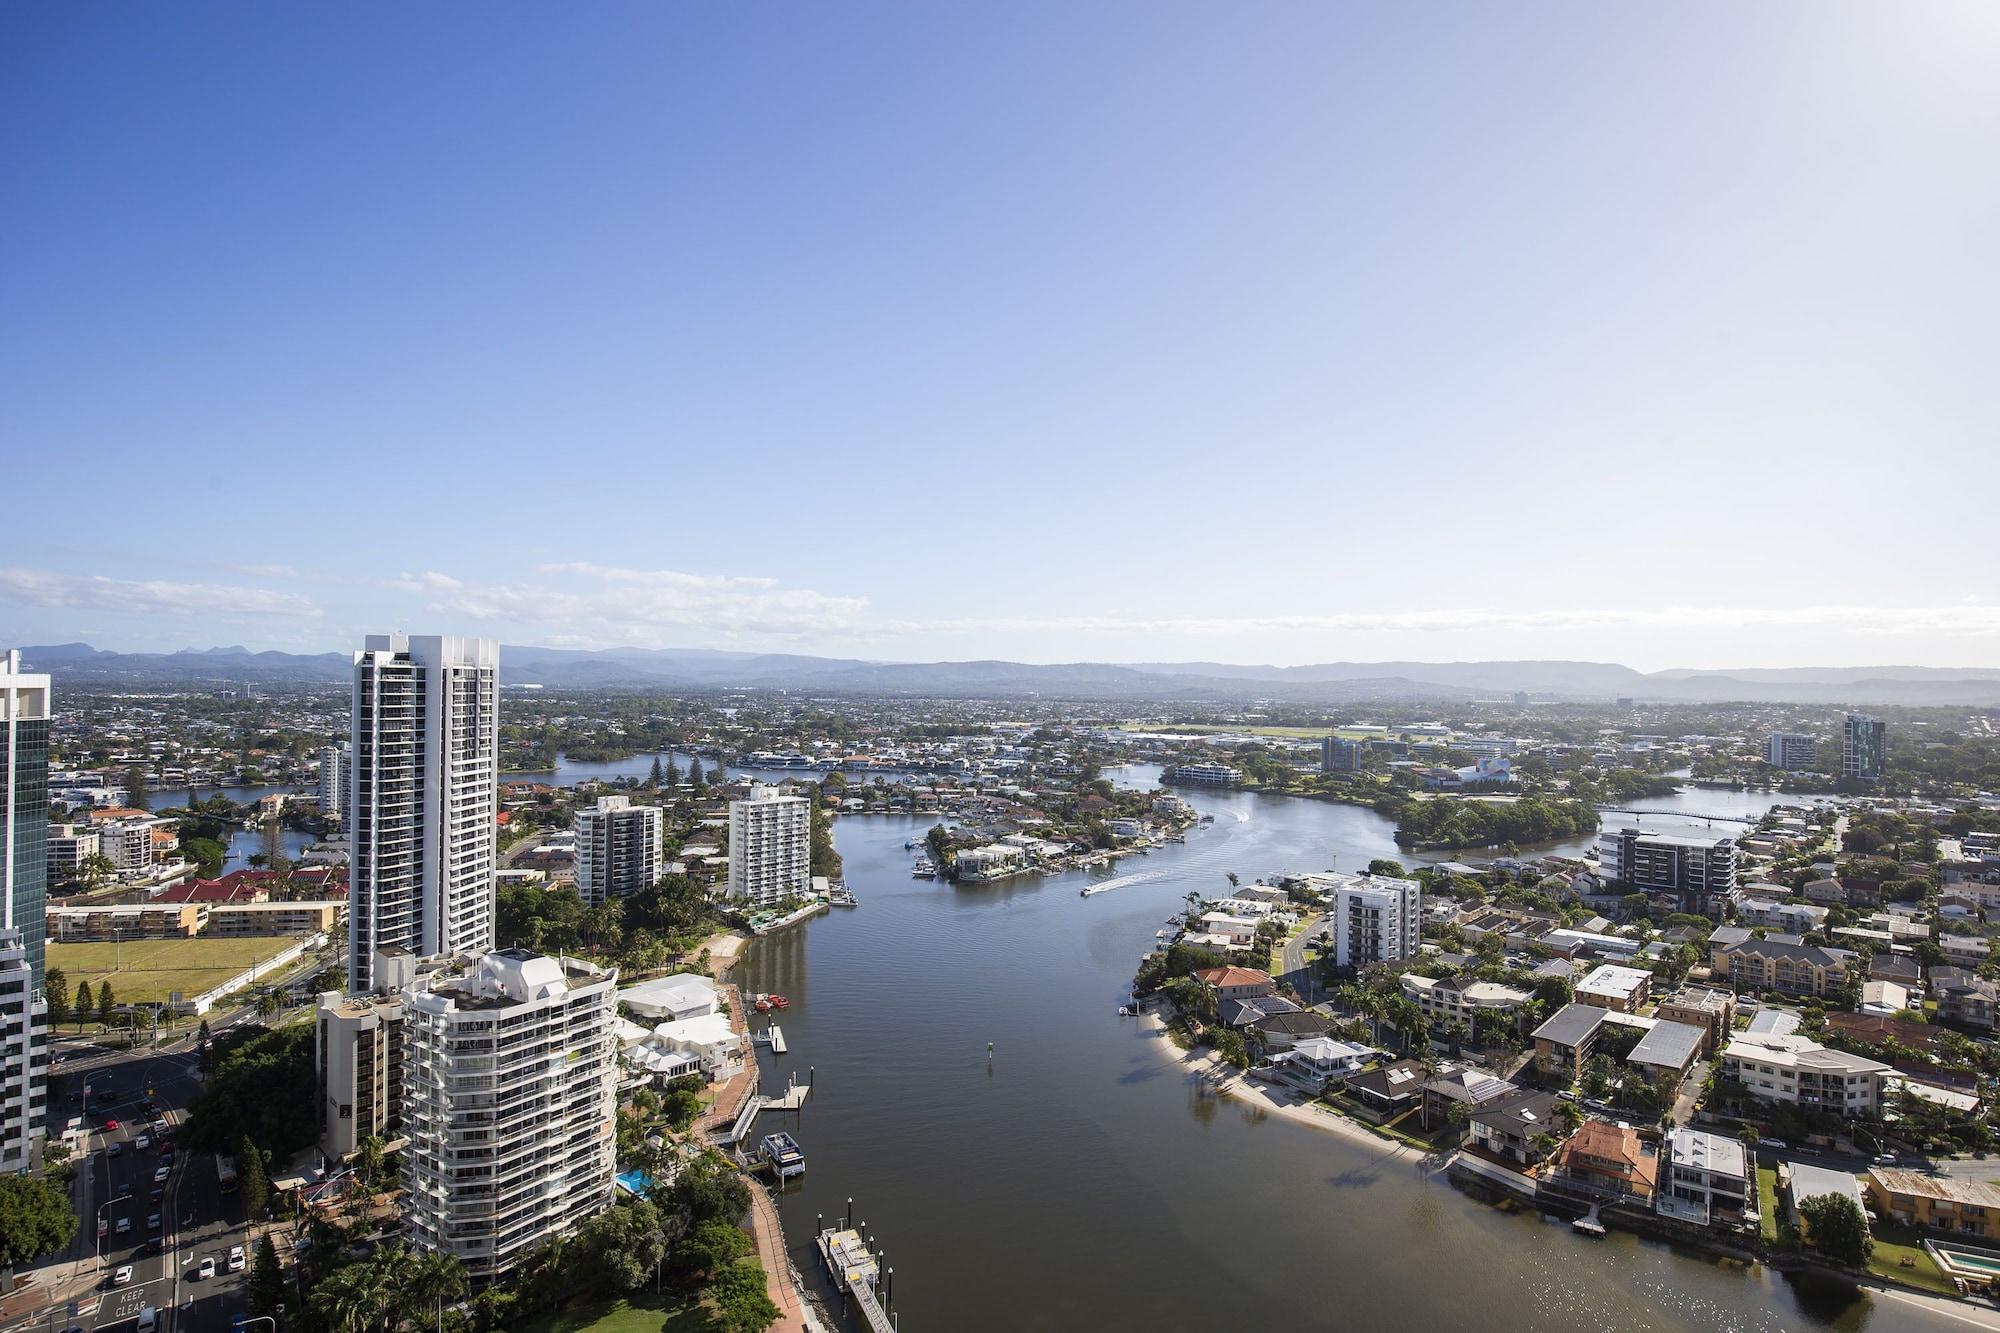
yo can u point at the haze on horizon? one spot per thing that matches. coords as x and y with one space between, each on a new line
1123 333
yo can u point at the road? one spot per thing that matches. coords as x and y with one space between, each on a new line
1293 968
196 1220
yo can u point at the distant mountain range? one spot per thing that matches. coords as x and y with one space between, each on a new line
1330 682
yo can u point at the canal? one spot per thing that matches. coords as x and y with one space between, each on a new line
1079 1180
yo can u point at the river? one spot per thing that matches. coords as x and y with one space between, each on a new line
1078 1180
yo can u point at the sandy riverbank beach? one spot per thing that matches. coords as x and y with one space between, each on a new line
1228 1082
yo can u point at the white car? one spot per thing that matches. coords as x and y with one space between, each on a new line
122 1275
207 1268
160 1175
236 1258
141 1143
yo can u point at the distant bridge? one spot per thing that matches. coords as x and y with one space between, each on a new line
1678 814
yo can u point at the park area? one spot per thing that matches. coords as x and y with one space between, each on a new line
146 971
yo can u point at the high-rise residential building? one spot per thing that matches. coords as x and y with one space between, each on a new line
358 1053
618 849
127 844
509 1104
1339 755
425 749
770 847
335 767
1861 748
24 827
1791 751
1699 871
1376 918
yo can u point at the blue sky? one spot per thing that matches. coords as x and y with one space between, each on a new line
1659 334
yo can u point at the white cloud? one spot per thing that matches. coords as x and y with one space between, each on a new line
270 571
586 605
1961 620
42 588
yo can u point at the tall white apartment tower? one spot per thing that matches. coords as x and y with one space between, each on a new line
24 829
618 849
509 1104
770 847
335 761
1376 918
425 751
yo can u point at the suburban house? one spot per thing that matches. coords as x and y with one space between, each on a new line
1236 983
1282 1031
1967 1206
1508 1128
1235 1013
1796 969
1964 997
1800 1071
1706 1179
1611 1159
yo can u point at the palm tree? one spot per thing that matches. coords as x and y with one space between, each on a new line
368 1155
349 1299
439 1279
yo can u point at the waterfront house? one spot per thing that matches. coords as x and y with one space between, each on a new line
1388 1090
1798 1070
1610 1159
1236 983
1310 1065
1515 1129
1706 1179
687 995
1809 1182
1461 1085
1240 931
1966 1205
1282 1030
1241 1013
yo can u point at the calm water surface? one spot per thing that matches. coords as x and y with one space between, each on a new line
1079 1181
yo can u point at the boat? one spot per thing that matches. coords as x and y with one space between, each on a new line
782 1154
777 1002
909 844
923 869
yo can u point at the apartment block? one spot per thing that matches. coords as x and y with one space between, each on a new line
425 739
1376 918
1863 742
1698 871
1786 1067
618 849
1791 751
509 1102
24 866
770 847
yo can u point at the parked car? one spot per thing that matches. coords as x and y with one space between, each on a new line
114 1150
124 1226
152 1221
206 1269
141 1143
160 1176
1885 1159
1776 1145
236 1258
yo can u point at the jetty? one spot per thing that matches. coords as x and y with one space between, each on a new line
857 1273
772 1036
791 1099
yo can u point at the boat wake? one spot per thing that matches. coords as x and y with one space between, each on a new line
1122 881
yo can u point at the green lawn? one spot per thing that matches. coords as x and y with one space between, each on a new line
1895 1244
1767 1204
142 970
645 1313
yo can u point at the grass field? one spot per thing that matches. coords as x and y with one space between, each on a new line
145 970
672 1314
1893 1245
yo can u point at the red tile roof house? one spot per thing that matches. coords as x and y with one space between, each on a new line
1236 983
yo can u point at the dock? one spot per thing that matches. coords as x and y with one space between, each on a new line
772 1036
856 1274
791 1099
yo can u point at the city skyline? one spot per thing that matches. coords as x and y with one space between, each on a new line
1135 334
